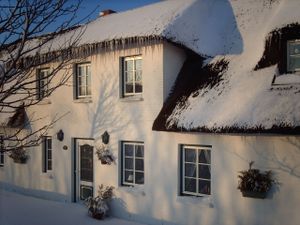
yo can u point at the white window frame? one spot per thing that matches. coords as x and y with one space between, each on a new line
46 150
182 178
129 58
2 160
297 70
134 157
43 82
86 77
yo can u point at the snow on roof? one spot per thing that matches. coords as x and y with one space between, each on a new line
200 25
245 99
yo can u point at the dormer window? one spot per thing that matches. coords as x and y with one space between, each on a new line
293 56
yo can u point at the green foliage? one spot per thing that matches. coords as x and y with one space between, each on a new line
255 180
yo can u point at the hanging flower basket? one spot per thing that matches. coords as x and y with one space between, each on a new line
255 184
254 194
104 154
19 156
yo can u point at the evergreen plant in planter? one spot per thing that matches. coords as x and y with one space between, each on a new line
98 206
255 184
19 155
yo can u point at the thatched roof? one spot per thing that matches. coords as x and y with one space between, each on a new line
254 93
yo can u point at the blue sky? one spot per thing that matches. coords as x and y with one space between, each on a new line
88 6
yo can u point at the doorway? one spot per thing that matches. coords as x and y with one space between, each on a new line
84 169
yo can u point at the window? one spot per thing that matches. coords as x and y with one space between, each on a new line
47 154
293 56
1 151
195 170
43 82
132 76
132 163
83 80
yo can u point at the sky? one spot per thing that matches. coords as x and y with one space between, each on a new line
95 6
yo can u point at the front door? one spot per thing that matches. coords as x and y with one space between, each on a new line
85 171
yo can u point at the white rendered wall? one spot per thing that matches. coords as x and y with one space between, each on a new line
158 201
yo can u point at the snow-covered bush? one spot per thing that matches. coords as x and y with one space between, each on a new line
98 206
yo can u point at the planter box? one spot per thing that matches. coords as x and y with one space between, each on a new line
20 161
254 194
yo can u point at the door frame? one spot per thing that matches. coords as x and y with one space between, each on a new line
75 166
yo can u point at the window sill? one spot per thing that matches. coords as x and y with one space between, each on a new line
83 100
133 98
44 101
287 79
195 200
48 175
134 190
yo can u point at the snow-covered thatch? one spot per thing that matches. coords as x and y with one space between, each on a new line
252 94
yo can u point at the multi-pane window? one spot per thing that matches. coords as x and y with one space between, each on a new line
47 154
132 76
132 163
196 170
83 80
43 82
293 56
1 151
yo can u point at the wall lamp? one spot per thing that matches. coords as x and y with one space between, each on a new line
60 135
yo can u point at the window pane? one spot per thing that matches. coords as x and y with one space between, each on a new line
129 65
139 151
294 48
129 88
128 150
190 184
129 176
139 164
139 178
204 187
190 170
190 155
129 77
82 90
294 63
204 171
138 76
138 64
49 154
49 165
49 143
85 192
128 163
204 156
79 71
138 87
89 92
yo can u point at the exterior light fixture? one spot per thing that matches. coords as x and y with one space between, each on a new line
60 135
105 137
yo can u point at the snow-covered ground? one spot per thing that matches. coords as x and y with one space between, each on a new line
16 209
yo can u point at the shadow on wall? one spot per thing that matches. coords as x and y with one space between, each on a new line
107 115
281 154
